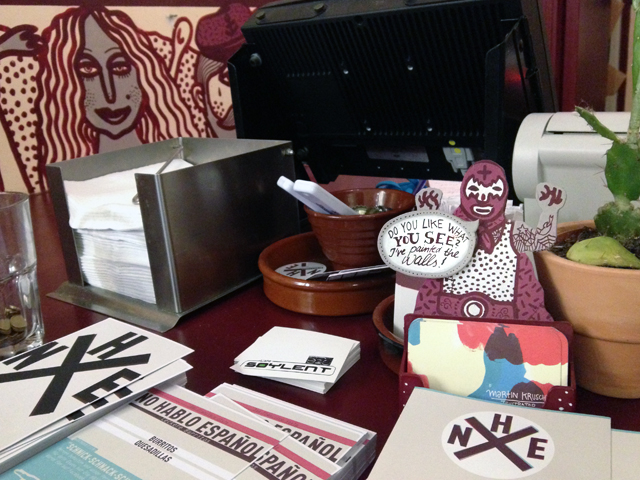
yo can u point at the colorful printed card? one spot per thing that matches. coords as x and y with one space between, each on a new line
514 364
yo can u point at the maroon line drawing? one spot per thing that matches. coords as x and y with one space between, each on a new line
93 82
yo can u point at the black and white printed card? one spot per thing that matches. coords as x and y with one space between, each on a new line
303 358
59 378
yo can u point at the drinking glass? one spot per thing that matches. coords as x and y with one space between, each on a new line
21 326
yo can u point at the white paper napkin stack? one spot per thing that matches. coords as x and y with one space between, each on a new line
108 230
116 261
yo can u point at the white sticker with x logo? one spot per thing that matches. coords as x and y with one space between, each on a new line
497 445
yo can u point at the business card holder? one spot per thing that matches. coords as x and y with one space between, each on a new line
559 397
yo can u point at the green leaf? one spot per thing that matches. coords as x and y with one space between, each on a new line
622 171
602 251
597 125
620 220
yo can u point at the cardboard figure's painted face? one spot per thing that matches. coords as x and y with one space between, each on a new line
112 96
483 195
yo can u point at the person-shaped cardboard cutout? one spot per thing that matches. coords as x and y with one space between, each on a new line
499 282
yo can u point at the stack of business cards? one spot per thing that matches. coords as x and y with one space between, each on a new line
170 432
303 358
62 386
350 448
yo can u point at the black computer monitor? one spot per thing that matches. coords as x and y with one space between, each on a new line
392 88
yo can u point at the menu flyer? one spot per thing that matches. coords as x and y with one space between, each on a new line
171 433
43 385
165 434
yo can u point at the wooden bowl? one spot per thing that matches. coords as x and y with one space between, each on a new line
351 241
336 298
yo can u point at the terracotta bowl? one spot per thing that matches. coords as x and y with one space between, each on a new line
383 321
351 241
603 307
345 297
391 346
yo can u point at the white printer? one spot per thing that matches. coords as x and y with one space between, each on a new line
562 149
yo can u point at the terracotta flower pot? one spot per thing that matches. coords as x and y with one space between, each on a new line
603 306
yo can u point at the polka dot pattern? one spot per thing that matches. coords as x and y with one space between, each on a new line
186 77
17 95
18 91
492 274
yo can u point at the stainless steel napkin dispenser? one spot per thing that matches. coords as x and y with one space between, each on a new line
204 226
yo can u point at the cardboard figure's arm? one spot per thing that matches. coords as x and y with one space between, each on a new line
429 199
551 199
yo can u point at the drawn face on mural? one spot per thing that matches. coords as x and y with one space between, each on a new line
484 192
112 95
218 102
218 36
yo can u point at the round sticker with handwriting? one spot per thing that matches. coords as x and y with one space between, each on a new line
427 244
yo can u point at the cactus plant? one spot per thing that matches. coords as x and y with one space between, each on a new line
620 218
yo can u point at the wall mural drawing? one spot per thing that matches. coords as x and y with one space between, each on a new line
93 81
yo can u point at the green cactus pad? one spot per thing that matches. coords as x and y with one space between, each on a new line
622 171
619 220
603 251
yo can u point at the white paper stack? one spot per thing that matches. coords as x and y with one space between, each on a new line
108 230
116 261
463 438
349 447
56 389
170 432
303 358
625 462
